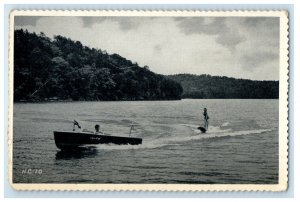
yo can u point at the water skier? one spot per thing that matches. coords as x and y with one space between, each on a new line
206 117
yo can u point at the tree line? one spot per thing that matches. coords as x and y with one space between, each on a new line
222 87
63 69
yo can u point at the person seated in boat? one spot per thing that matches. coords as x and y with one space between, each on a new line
206 117
97 129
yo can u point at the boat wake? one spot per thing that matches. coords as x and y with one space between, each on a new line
225 124
191 134
218 132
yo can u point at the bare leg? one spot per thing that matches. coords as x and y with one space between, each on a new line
206 124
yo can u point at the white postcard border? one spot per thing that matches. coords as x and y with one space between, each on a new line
283 103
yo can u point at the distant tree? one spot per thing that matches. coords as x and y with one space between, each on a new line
206 87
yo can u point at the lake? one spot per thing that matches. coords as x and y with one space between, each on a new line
240 147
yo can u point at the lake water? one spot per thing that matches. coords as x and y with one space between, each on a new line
241 145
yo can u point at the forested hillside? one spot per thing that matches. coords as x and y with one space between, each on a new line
63 69
207 87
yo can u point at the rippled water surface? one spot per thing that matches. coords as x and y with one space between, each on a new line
241 145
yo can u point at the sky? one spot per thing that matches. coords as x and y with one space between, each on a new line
240 47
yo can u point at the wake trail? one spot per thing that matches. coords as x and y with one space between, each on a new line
178 139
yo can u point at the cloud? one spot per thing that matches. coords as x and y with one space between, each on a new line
157 48
270 22
217 26
26 20
256 58
261 49
125 23
90 21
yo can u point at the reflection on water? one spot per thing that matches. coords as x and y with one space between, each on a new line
80 152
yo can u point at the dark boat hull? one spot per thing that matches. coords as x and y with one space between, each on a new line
73 140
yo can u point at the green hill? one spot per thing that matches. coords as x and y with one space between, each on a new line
63 69
210 87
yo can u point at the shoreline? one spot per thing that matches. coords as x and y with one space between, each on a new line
78 101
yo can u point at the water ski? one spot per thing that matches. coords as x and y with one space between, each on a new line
203 130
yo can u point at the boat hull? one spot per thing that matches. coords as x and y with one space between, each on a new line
73 140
